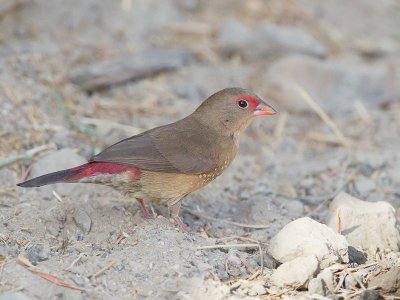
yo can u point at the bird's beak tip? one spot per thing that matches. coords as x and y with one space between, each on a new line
264 108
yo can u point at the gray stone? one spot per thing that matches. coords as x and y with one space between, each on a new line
295 273
370 295
258 289
304 237
38 253
130 67
350 282
388 282
335 86
328 280
366 225
82 220
356 256
56 161
266 40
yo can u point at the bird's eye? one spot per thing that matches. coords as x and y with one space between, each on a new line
243 103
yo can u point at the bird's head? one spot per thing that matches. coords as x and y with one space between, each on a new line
232 110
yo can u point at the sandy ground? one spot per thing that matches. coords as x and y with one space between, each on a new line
90 236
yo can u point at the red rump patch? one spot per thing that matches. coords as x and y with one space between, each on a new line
253 102
102 168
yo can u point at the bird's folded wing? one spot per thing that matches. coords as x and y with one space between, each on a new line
161 149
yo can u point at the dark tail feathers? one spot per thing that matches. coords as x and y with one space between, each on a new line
60 176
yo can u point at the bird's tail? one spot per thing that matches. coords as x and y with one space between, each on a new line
83 171
68 175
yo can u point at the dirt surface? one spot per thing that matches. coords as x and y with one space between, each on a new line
290 165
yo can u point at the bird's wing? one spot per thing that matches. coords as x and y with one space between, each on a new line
168 149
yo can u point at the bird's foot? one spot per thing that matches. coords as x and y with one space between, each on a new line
174 210
144 209
182 226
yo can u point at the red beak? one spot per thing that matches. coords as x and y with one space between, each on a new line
263 108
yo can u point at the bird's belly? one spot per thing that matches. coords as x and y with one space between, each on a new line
154 186
169 187
122 182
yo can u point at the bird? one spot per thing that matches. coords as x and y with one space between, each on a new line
166 163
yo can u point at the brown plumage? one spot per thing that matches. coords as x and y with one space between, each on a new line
166 163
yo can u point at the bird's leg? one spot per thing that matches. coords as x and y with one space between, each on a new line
144 209
174 211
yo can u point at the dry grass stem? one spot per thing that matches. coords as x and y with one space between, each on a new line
56 280
101 271
26 263
57 196
26 155
362 111
280 126
227 246
75 261
99 123
339 221
324 138
320 112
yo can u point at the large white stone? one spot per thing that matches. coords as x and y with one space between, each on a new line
366 225
304 237
295 273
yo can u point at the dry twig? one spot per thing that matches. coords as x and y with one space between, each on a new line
227 246
26 155
320 112
339 220
26 263
101 271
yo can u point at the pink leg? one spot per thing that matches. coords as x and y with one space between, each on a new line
144 209
174 211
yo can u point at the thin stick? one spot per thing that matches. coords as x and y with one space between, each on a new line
339 220
255 226
99 123
258 272
360 107
332 125
101 271
26 155
324 138
280 126
75 261
58 197
227 246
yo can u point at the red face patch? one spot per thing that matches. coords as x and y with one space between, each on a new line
252 101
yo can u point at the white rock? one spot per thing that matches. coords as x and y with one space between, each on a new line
328 280
258 289
316 286
304 237
56 161
366 225
295 273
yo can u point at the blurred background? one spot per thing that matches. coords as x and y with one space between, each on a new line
77 76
